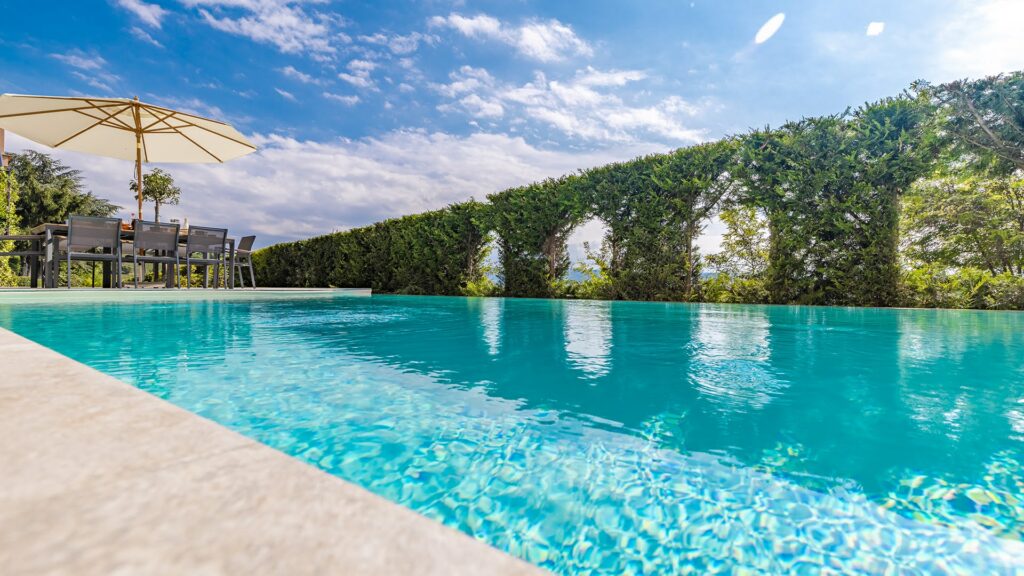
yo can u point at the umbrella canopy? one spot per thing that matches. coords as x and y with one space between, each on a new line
121 128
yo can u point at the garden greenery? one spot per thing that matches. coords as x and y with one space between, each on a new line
437 252
911 200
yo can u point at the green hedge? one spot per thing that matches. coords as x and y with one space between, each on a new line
829 188
431 253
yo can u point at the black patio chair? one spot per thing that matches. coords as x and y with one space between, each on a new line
156 243
31 256
210 243
93 239
243 256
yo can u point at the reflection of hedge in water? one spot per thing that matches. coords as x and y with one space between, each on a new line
829 186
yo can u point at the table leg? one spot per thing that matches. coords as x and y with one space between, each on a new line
231 263
33 263
106 270
48 275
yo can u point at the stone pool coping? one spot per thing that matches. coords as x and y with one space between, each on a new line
37 295
99 477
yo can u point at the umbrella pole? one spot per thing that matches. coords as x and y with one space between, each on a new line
138 171
4 161
137 113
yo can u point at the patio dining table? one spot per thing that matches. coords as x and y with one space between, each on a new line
51 263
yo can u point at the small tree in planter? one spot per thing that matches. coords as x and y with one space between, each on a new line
158 187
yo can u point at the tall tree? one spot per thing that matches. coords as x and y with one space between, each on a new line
744 252
158 187
830 187
8 221
50 191
982 116
695 180
533 223
969 219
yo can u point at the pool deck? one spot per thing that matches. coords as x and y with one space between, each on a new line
99 477
56 295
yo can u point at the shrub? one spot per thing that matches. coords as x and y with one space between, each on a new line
933 286
726 289
437 252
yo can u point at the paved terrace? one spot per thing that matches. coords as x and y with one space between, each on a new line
99 477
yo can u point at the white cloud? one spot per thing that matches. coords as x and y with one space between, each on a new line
550 41
581 107
769 28
294 189
348 100
144 36
103 81
592 77
286 95
149 14
81 60
546 41
294 74
482 108
90 69
875 28
282 23
466 79
399 44
359 81
359 74
481 26
985 38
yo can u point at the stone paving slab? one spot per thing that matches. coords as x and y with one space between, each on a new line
99 477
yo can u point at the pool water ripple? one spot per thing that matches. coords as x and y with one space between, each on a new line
616 438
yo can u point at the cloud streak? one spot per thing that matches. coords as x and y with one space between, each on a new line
149 14
281 23
584 107
545 41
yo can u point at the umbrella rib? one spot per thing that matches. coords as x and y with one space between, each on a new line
115 118
87 128
152 107
176 116
198 145
75 98
157 121
104 121
75 109
110 101
122 124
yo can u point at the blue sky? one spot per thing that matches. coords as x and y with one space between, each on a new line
366 110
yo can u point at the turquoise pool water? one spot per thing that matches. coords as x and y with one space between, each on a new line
618 438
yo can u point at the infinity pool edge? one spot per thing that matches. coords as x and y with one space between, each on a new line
101 477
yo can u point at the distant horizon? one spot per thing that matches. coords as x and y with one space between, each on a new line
364 113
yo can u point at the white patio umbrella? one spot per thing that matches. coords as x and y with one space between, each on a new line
121 128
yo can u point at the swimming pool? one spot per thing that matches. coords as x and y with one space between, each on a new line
596 437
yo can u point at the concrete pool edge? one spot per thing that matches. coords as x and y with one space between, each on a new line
100 477
84 295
